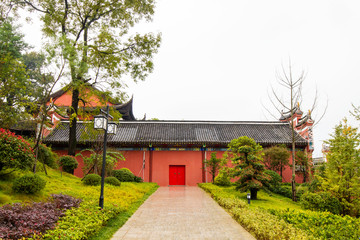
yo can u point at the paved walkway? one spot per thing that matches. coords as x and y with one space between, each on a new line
181 213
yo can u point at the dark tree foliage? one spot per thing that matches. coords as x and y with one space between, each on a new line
303 164
247 157
277 158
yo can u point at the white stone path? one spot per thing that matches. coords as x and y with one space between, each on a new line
181 213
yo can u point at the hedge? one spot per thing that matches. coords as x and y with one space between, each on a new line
260 223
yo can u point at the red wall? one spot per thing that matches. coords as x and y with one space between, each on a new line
161 160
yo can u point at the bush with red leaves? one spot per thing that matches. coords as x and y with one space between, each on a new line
18 221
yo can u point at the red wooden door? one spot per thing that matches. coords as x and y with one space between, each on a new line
176 175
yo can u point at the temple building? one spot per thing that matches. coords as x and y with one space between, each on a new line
173 152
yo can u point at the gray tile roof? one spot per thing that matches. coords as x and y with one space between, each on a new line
185 133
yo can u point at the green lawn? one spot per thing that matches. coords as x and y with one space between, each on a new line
265 200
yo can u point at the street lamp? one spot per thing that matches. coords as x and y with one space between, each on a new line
101 123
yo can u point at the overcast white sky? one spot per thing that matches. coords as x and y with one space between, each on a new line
218 59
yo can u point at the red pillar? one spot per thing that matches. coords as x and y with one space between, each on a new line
150 165
203 166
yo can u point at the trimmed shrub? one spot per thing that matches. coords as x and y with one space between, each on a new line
92 180
19 221
15 152
322 201
322 225
123 175
112 181
68 163
28 184
138 179
222 179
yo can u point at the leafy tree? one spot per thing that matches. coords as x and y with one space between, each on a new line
342 172
277 158
213 165
247 157
14 83
93 39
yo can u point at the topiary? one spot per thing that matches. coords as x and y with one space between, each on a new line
123 175
28 184
222 180
112 181
92 180
15 152
68 163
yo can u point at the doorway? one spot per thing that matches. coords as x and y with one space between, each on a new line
177 175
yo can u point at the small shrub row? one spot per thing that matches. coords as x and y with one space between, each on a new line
322 225
95 180
28 184
322 201
259 223
24 221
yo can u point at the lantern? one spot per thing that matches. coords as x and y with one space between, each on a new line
100 122
111 128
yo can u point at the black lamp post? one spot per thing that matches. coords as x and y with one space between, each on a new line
101 123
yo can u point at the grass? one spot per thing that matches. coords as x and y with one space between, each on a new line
265 200
120 202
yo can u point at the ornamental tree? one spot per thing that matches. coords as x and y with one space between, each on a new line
247 157
277 158
342 172
92 38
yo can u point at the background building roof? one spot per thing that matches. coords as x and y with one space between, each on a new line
181 133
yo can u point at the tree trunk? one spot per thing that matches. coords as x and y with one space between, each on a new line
73 120
253 193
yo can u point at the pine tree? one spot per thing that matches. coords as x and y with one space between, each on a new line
247 157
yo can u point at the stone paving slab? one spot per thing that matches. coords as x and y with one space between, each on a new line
181 213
